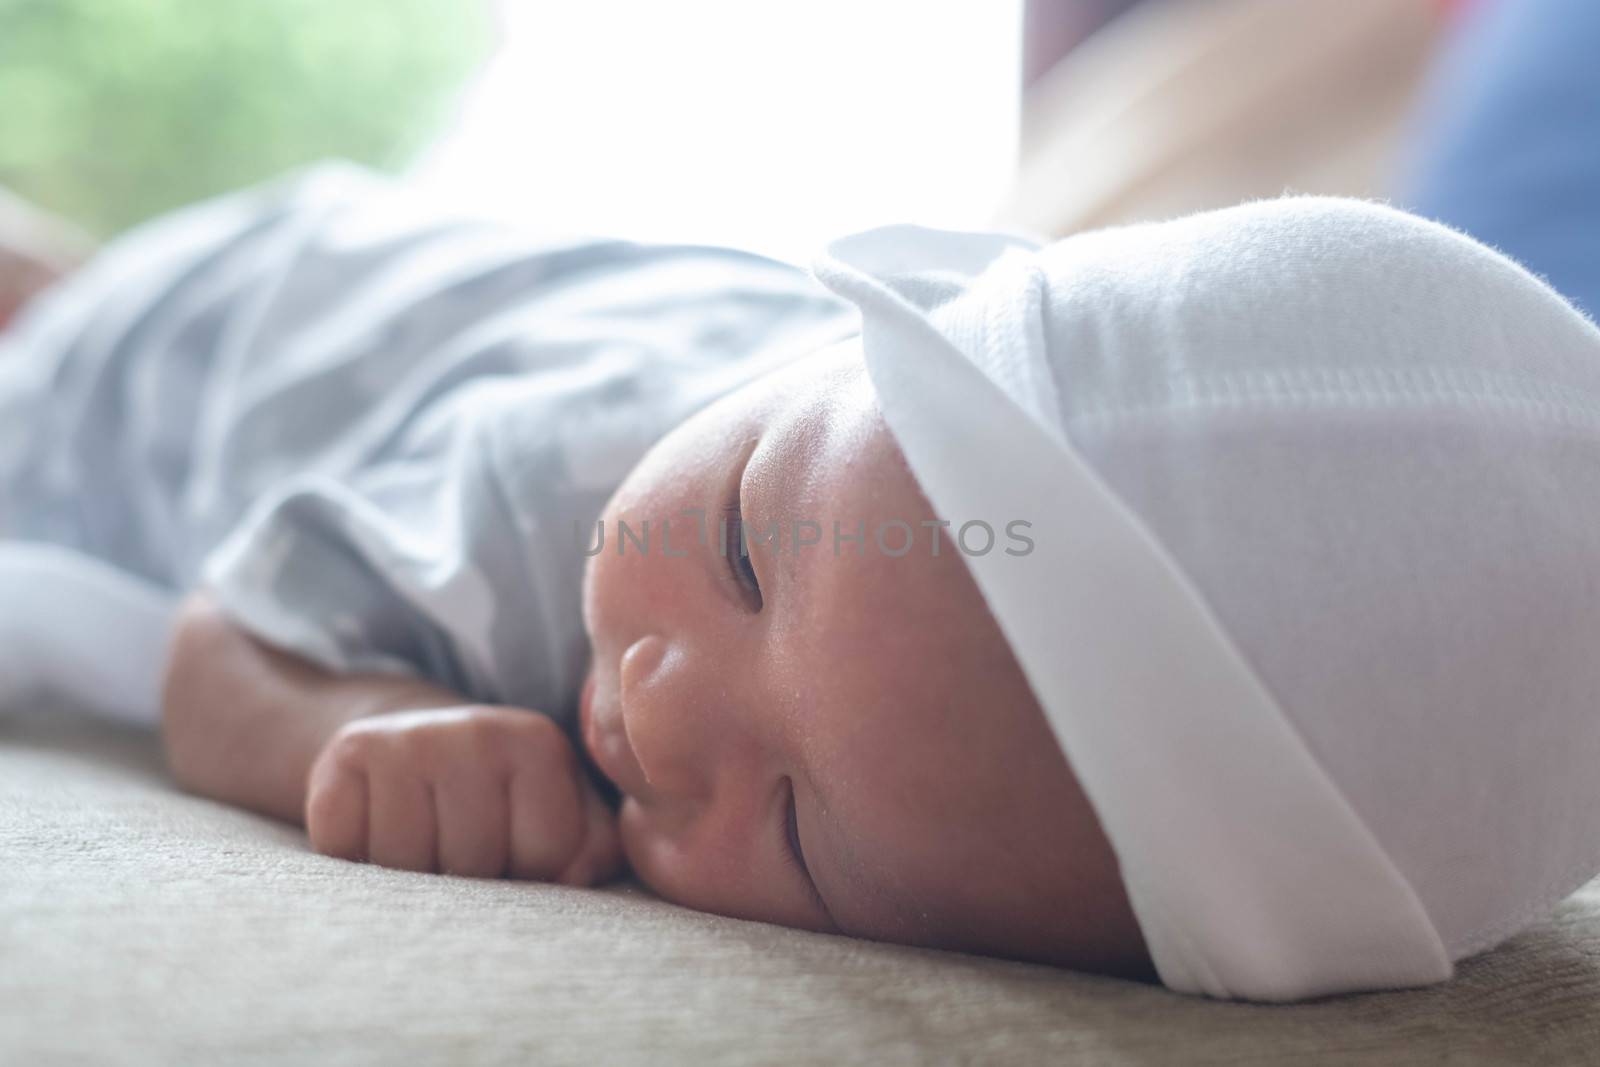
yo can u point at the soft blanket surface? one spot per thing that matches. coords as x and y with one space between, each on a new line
139 925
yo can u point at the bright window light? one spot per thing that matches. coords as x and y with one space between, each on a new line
741 122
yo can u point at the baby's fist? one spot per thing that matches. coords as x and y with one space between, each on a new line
482 791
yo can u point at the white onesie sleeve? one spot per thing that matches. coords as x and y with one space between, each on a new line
77 632
418 563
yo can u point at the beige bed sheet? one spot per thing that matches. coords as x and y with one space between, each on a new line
139 925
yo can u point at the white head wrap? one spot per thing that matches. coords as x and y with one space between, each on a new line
1314 603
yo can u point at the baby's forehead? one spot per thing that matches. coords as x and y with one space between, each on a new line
832 452
871 562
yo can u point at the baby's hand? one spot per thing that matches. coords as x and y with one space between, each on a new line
482 791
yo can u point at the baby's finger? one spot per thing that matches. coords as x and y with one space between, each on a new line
474 825
400 822
336 812
599 857
546 824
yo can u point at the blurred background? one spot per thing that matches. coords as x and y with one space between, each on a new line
744 122
726 121
115 110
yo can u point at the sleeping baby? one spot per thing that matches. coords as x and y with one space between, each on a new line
1213 600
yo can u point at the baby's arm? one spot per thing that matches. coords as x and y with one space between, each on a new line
388 769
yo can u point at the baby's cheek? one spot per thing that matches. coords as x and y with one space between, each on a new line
682 864
664 858
651 857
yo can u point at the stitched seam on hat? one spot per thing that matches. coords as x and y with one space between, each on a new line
1361 389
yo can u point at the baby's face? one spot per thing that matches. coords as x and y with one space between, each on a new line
835 738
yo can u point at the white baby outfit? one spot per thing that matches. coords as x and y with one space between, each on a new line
378 431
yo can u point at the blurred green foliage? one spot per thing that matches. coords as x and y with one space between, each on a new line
114 110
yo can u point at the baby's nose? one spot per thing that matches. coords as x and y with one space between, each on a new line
670 724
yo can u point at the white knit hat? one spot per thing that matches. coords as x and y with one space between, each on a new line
1314 604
